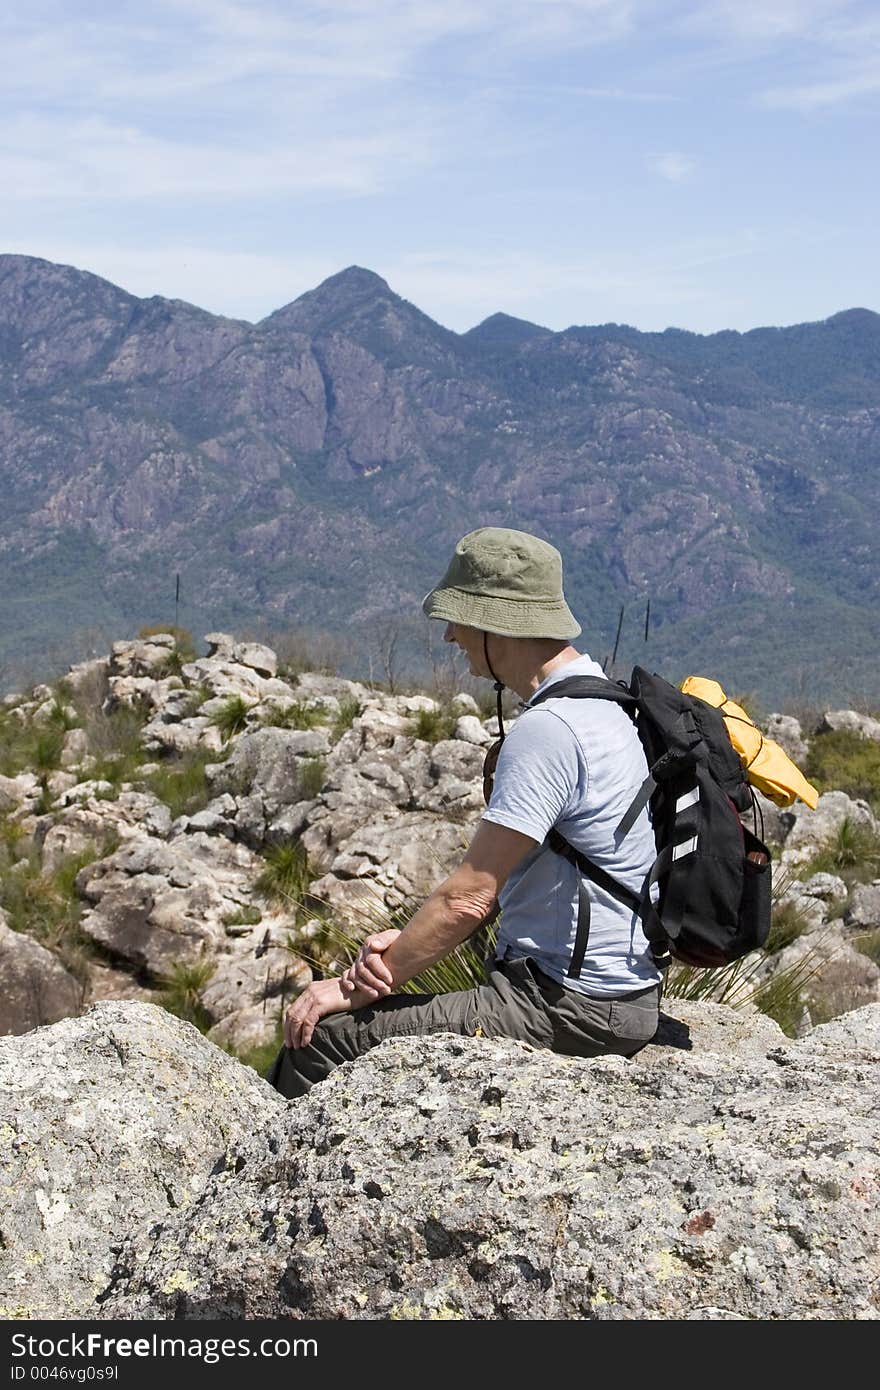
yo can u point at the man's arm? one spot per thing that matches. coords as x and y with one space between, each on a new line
449 916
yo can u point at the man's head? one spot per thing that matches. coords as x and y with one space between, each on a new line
506 582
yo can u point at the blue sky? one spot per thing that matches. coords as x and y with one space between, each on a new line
706 165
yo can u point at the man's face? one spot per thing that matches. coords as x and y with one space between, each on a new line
470 639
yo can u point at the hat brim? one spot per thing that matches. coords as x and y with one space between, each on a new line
505 616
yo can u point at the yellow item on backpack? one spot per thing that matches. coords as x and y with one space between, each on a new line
768 767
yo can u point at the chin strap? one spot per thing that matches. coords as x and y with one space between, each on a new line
499 685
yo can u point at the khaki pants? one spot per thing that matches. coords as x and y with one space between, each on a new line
517 1001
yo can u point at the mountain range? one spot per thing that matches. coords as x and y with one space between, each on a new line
314 470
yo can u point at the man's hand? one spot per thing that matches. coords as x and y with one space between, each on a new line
320 998
368 972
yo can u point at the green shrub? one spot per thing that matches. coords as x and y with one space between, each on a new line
852 852
286 877
294 716
47 906
47 745
62 715
433 725
28 747
231 718
182 784
182 989
348 712
312 775
844 761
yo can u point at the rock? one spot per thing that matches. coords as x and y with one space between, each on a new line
139 693
785 730
107 983
508 1183
828 888
246 979
95 789
462 703
706 1027
261 659
470 730
107 1122
146 656
91 825
35 988
812 831
57 783
215 819
286 827
158 904
389 863
313 687
863 910
248 1028
184 736
862 724
834 977
227 677
19 793
267 763
776 822
220 645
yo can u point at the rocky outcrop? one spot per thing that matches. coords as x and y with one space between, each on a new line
107 1123
725 1173
864 725
338 778
35 988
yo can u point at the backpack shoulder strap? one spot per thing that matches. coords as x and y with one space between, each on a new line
585 688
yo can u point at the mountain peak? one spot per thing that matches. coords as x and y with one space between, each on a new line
503 330
334 301
362 306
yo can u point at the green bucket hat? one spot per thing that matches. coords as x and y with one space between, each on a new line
506 582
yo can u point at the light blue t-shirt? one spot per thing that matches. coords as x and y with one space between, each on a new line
577 765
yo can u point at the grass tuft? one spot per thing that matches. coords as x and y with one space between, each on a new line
294 716
183 784
182 989
286 876
231 718
434 725
311 776
348 713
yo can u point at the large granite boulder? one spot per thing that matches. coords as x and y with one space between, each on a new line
107 1123
450 1177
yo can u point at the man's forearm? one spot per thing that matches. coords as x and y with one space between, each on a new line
441 923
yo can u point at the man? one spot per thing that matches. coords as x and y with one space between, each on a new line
568 763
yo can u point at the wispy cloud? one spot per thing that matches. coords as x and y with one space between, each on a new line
47 159
672 165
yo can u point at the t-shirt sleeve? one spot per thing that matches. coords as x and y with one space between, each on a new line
539 772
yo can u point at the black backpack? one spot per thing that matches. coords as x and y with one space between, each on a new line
712 872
